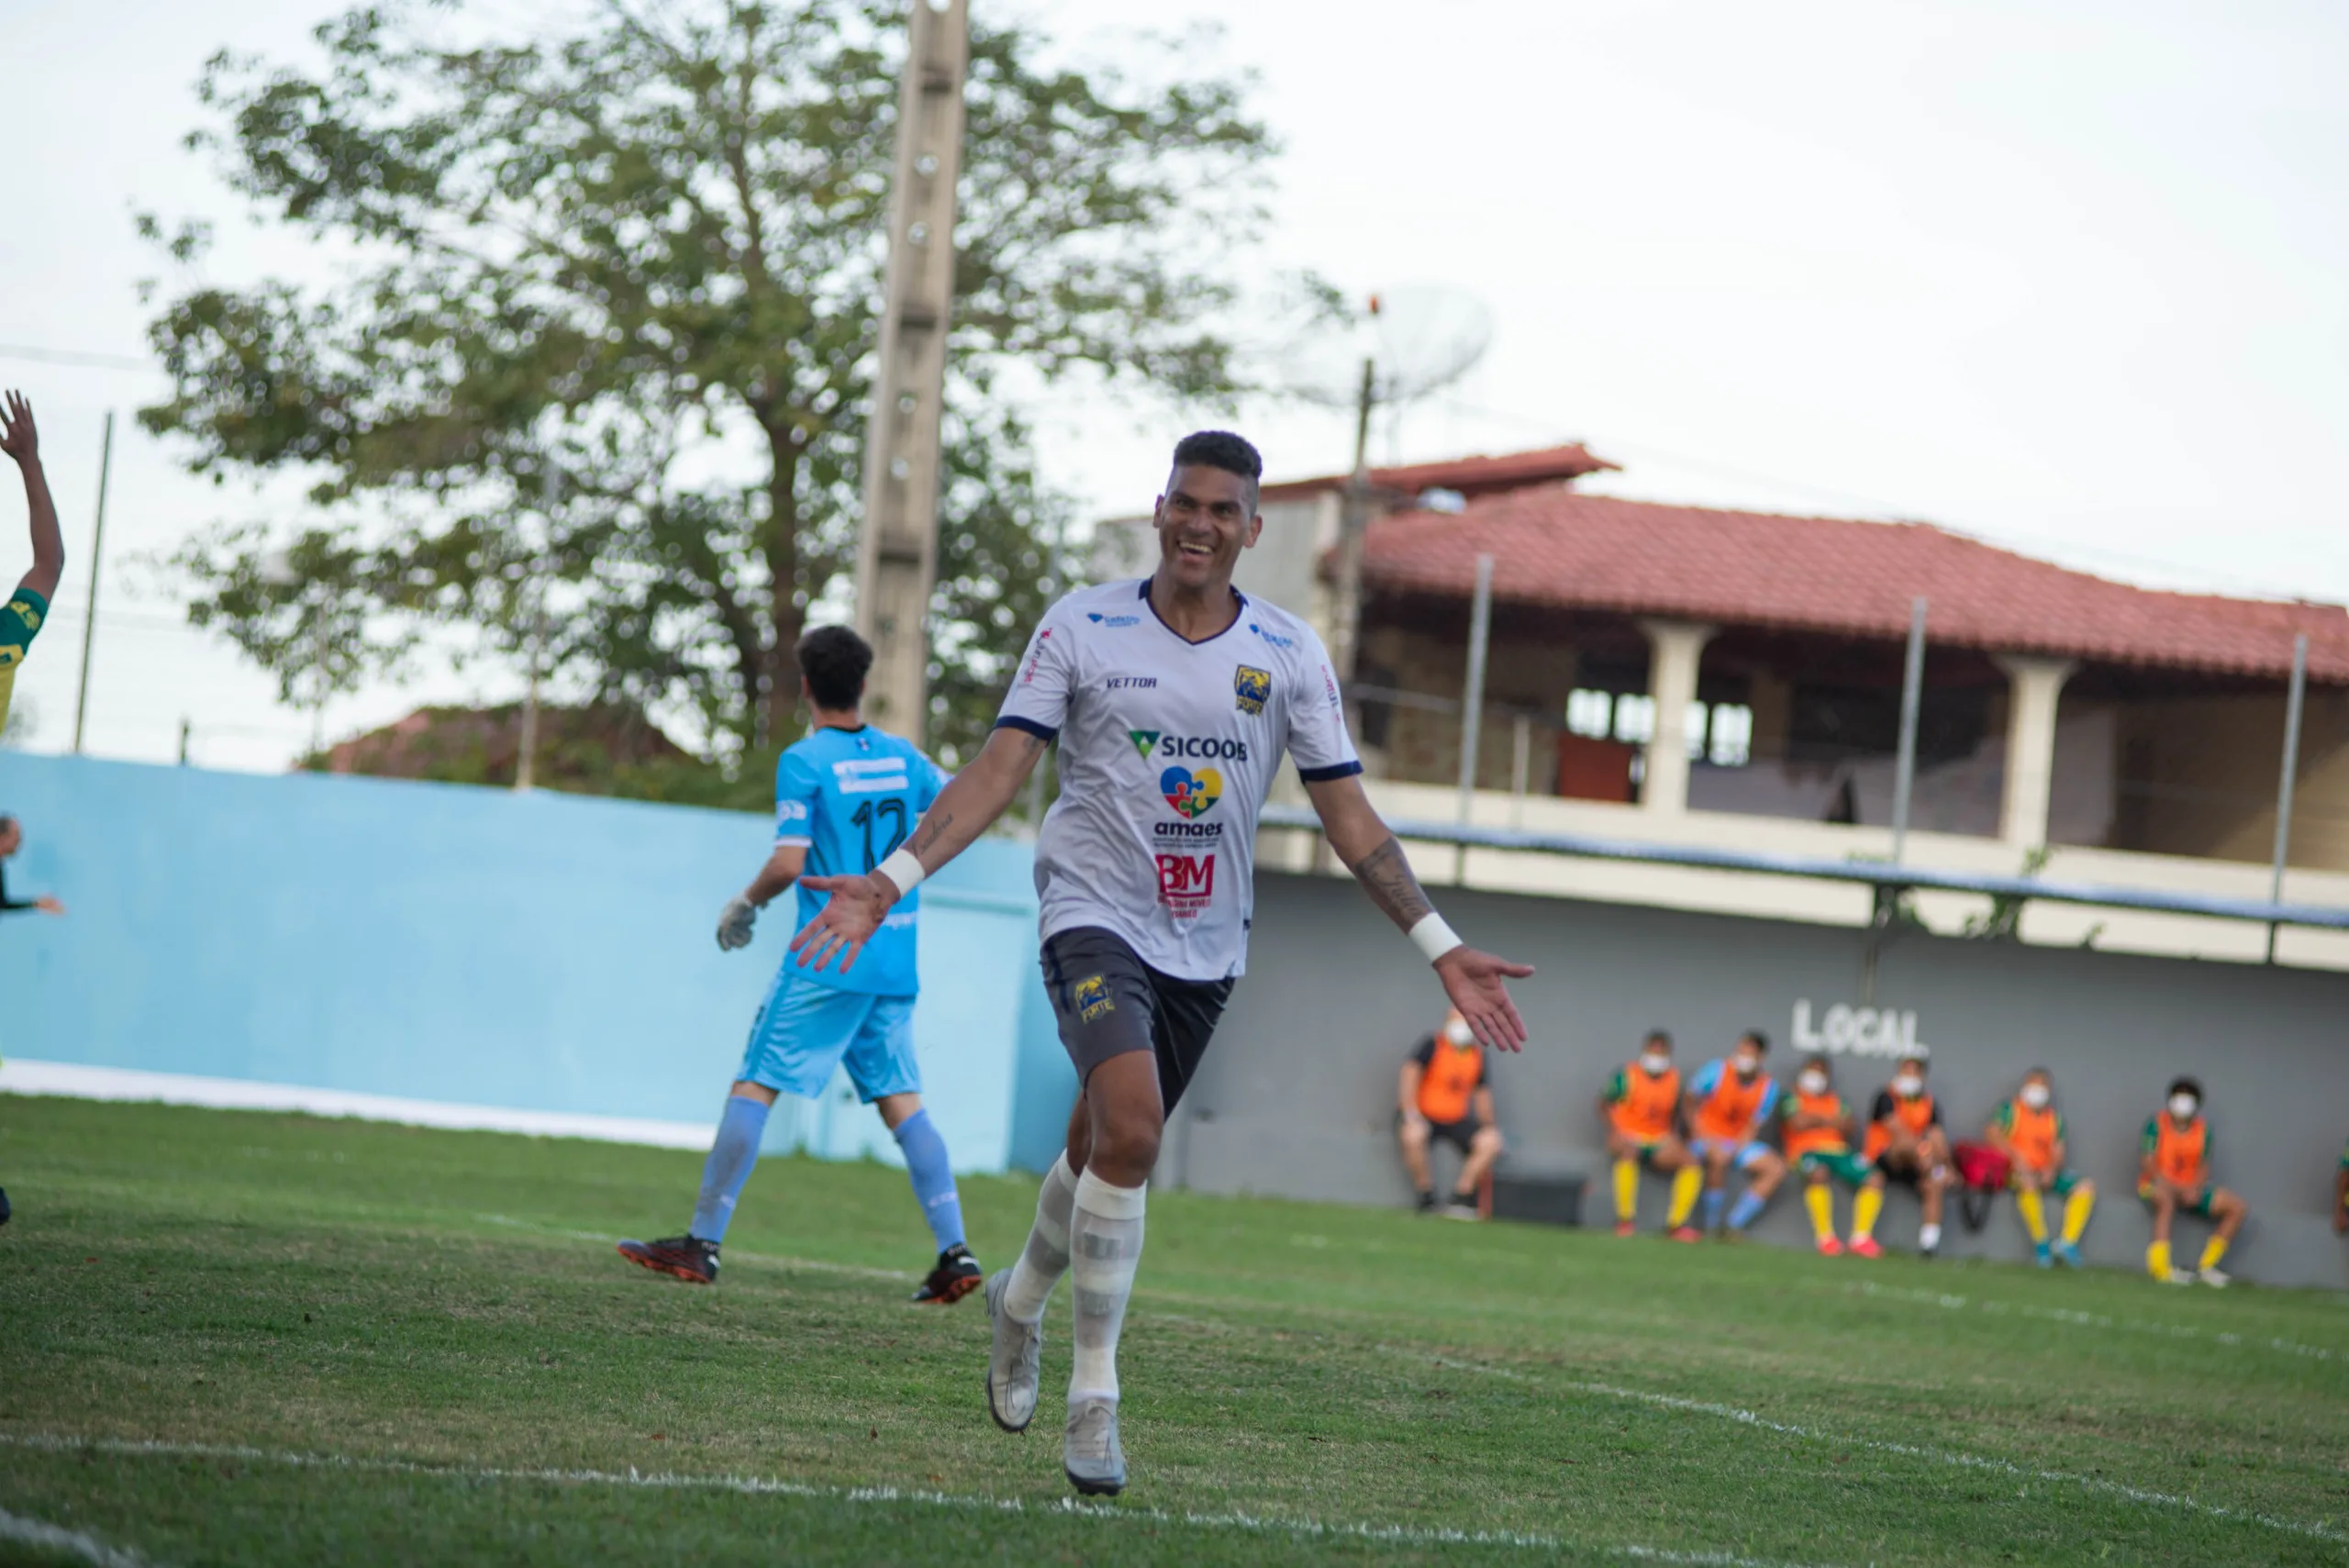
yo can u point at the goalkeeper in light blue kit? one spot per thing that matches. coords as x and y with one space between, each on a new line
846 797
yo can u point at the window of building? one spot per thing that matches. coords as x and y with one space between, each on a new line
1634 719
1730 743
1590 712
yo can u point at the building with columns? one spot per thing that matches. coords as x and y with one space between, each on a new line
1734 679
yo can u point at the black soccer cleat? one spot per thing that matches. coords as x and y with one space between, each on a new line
956 1276
688 1258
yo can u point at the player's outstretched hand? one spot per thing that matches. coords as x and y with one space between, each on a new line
1477 984
845 923
18 438
734 923
49 906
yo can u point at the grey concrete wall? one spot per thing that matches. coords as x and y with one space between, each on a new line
1297 1097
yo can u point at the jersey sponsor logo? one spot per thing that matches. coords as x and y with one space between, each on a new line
1329 685
1190 831
789 811
31 616
1092 999
1191 795
870 776
1131 684
1275 639
1187 883
1207 748
1036 658
1251 688
1097 619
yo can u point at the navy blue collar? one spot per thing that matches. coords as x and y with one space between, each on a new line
1238 616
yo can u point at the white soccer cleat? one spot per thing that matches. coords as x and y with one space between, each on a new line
1015 1361
2176 1276
1094 1460
2214 1276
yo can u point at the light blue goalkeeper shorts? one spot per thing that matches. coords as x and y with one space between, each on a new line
806 1029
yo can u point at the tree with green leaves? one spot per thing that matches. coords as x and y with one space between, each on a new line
601 340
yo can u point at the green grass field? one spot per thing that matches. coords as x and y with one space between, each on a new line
232 1337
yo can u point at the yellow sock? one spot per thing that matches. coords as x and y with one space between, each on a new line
2157 1260
1687 1183
2212 1250
1864 1208
2034 1214
1822 1204
2076 1214
1627 1188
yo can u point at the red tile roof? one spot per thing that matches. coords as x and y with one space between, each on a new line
1471 476
1561 548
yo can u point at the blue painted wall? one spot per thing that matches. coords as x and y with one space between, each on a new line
542 952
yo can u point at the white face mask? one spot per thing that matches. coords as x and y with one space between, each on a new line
2183 1106
1907 1084
1813 1082
1747 1066
1458 1032
2035 1095
1655 1065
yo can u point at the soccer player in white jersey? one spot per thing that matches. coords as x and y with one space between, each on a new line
1172 699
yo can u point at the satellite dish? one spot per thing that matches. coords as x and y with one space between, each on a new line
1419 339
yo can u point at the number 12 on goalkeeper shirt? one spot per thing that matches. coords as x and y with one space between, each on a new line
849 797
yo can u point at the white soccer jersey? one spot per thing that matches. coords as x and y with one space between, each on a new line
1168 748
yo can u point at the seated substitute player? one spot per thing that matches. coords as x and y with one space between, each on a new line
1172 699
1907 1142
1729 1104
846 795
2029 1131
2174 1176
1641 1110
1815 1130
1444 1094
2341 1195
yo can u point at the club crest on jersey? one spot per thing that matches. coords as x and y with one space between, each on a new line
1251 688
1092 999
1191 795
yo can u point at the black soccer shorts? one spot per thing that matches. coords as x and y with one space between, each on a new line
1109 1002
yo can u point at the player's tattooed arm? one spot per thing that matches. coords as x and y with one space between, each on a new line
1477 982
1386 875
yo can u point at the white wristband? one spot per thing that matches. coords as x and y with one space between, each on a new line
903 869
1433 937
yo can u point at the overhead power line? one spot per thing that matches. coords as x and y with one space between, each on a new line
74 357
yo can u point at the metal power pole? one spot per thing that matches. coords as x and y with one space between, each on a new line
897 557
97 559
1345 614
2292 702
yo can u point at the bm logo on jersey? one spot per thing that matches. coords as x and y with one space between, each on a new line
1191 795
1251 688
1092 999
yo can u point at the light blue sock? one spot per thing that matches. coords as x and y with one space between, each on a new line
1748 1208
730 1158
933 1178
1714 1198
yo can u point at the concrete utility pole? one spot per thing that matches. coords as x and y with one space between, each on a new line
896 558
97 560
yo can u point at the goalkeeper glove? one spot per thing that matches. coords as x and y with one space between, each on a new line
734 923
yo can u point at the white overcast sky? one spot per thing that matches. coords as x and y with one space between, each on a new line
2073 276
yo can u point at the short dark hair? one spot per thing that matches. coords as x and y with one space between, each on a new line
1916 1061
2185 1086
834 660
7 822
1658 1037
1760 1042
1815 1059
1221 448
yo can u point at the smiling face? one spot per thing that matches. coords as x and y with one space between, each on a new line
1204 520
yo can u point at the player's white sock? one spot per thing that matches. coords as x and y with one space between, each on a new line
1106 1247
1045 1258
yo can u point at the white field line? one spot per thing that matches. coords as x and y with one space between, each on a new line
1399 1535
22 1531
2323 1531
1950 1302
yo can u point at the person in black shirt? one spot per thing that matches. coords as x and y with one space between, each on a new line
12 836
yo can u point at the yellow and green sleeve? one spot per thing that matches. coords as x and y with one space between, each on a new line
20 618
